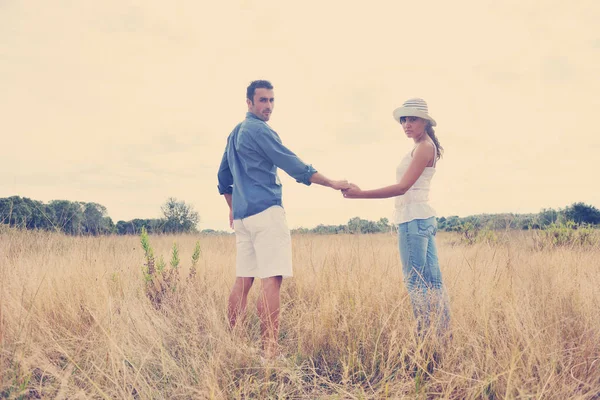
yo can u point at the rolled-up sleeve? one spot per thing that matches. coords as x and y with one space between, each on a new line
225 177
282 157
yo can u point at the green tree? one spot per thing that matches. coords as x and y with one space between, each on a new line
383 224
179 217
450 224
358 225
68 216
582 213
546 217
354 225
96 220
38 218
25 213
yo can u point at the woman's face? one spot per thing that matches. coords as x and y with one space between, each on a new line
414 127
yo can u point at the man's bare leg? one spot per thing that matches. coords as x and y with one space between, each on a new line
268 311
238 299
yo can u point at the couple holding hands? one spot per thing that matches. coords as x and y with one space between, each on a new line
248 180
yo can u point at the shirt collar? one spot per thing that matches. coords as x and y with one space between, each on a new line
251 115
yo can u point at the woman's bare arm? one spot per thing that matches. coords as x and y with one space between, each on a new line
422 157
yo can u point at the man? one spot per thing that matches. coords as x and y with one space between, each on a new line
248 180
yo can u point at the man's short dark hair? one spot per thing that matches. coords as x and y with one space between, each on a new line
256 85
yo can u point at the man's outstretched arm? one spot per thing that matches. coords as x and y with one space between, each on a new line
284 158
322 180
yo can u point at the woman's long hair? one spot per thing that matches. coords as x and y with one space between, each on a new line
438 147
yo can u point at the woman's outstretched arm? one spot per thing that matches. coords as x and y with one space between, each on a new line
421 158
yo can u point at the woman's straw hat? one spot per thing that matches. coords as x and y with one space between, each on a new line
413 108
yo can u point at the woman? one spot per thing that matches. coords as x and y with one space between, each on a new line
415 218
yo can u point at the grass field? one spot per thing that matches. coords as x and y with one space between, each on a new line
75 322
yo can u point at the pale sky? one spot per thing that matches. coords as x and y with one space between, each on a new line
127 103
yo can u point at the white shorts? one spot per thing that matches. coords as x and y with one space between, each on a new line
264 245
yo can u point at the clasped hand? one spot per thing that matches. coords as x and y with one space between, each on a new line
352 192
340 185
349 190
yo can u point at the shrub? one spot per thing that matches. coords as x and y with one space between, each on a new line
567 234
162 282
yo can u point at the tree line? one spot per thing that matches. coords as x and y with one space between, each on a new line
577 213
81 218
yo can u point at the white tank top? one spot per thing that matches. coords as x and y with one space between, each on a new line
414 204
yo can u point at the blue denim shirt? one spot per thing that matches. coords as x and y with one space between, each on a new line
249 167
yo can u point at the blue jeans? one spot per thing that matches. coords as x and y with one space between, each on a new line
422 275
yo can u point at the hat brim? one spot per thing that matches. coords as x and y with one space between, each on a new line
411 112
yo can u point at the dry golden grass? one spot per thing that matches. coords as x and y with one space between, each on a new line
75 322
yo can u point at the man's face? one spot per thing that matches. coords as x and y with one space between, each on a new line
263 104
